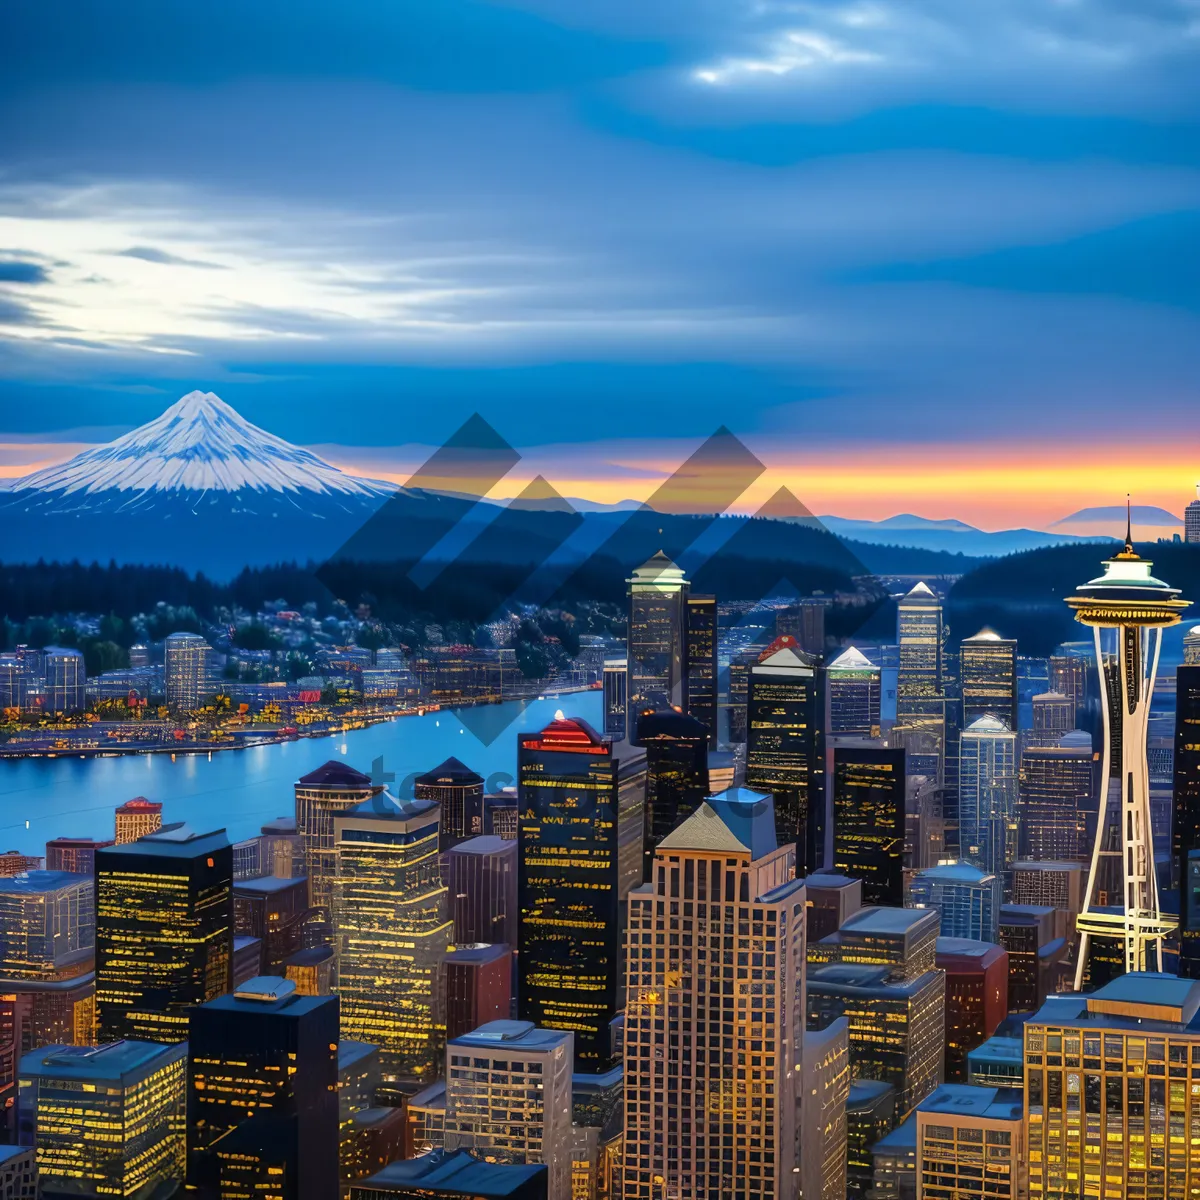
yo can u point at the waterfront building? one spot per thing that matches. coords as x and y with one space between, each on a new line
1057 798
1057 885
187 672
869 789
47 925
66 680
274 910
831 899
1110 1091
998 1062
320 795
453 1175
721 869
135 818
921 681
785 746
1129 601
459 791
897 1026
582 807
825 1089
615 681
1027 933
987 795
263 1061
1053 719
853 683
976 997
677 749
76 855
508 1098
870 1115
393 928
164 931
657 650
17 683
700 659
987 667
971 1143
966 898
106 1120
1185 829
478 987
904 940
481 874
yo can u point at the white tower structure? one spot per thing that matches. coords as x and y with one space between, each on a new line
1191 519
1137 607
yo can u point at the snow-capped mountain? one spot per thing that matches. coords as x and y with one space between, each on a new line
200 444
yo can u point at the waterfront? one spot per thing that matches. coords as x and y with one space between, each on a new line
239 790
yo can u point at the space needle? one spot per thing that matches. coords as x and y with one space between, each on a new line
1128 600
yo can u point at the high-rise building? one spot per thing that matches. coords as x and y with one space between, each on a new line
374 1137
721 869
66 680
1109 1100
998 1062
904 940
894 1163
1053 719
966 899
508 1097
500 814
1185 829
359 1075
1058 885
657 672
47 925
870 1115
478 987
273 910
582 807
13 862
701 662
676 748
1191 647
1027 933
616 698
459 791
1068 677
869 820
137 817
393 928
1191 520
76 855
987 795
832 899
263 1061
1128 600
281 849
805 622
971 1143
311 970
854 685
988 678
164 931
320 795
187 671
825 1089
785 747
1057 794
106 1120
481 874
247 958
921 681
976 997
924 825
453 1175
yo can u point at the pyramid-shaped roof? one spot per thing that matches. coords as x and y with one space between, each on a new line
921 591
852 659
335 774
703 830
452 773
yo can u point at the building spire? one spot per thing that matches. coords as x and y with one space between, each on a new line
1128 524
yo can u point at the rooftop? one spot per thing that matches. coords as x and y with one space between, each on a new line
986 634
879 919
111 1062
852 659
903 1138
268 884
960 948
670 725
737 821
828 879
971 1100
479 952
954 872
280 825
178 840
486 844
266 995
452 773
866 1093
35 883
787 658
921 592
1148 994
864 980
351 1052
988 724
383 805
139 804
335 774
999 1049
314 956
431 1096
452 1173
514 1035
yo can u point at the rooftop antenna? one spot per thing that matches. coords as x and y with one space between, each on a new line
1128 524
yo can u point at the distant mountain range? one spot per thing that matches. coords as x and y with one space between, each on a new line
203 488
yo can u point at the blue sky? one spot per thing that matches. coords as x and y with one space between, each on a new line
849 229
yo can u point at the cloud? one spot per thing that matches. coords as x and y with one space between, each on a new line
152 254
17 271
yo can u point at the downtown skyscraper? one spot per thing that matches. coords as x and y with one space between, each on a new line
987 795
657 664
988 678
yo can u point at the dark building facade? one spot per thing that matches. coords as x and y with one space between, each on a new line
459 791
164 932
1186 828
785 747
676 748
701 662
274 910
868 820
77 855
478 985
582 802
657 667
976 997
263 1076
481 874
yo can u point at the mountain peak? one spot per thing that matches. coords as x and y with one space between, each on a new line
198 444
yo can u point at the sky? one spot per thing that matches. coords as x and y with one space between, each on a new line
931 256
